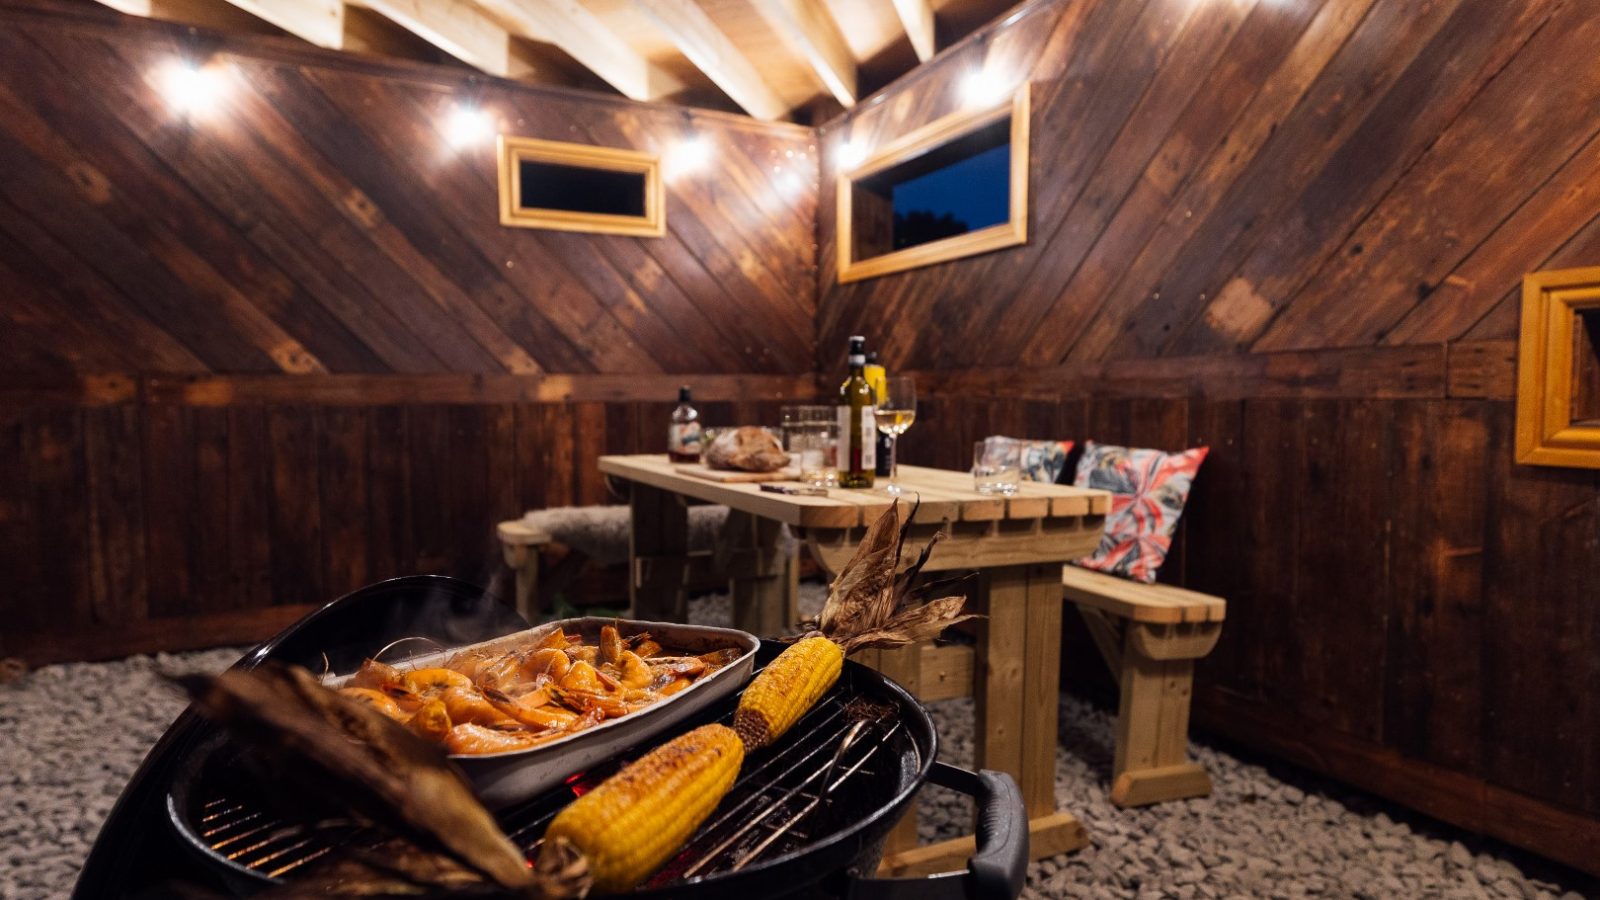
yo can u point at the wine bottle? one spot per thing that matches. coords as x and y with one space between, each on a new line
683 435
878 377
857 430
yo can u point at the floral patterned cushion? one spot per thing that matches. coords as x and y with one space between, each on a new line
1148 489
1041 460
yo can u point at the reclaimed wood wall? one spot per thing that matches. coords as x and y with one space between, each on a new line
1295 232
252 360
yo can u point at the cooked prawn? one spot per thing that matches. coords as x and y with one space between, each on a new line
633 672
549 664
555 640
536 711
610 644
584 677
433 682
467 705
374 675
430 721
378 700
678 666
674 686
476 739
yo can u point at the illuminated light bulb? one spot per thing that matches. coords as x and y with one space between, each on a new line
851 154
688 156
984 88
468 125
190 89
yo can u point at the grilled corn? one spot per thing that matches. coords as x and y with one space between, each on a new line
785 689
633 822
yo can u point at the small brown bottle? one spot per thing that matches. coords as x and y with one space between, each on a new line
683 435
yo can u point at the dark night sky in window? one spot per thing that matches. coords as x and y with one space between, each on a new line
975 190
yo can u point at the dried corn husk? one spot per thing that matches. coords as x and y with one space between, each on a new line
870 604
348 754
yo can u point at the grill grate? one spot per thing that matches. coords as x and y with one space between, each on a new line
783 797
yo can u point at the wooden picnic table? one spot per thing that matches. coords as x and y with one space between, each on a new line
1016 544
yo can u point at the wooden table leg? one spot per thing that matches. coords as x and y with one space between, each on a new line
763 576
658 550
1017 672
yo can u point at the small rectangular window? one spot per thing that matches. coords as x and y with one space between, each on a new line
576 187
955 188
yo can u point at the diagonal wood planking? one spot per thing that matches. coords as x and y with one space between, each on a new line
1295 232
329 253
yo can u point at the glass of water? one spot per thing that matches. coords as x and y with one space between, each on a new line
996 467
812 437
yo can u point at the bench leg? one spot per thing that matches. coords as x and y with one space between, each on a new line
658 551
763 579
524 562
1152 761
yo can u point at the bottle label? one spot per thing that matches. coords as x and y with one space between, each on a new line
865 442
684 438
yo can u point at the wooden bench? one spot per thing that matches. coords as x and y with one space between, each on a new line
520 543
1150 635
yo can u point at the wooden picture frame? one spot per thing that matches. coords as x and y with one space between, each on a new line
924 140
513 152
1552 372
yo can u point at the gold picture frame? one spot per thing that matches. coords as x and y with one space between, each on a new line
514 151
1549 370
937 134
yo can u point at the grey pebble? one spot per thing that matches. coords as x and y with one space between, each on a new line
72 735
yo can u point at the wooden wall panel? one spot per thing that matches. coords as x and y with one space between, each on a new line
1295 233
252 360
321 222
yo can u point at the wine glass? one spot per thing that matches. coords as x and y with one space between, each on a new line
897 409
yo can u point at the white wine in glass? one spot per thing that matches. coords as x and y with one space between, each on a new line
897 410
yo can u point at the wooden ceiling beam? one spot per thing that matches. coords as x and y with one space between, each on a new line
453 26
581 34
917 17
712 53
130 7
320 22
807 25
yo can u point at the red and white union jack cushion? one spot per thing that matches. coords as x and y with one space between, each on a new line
1149 488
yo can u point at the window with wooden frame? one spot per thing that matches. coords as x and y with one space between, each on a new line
576 187
1558 369
956 187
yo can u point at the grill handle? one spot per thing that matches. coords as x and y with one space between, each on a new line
1000 865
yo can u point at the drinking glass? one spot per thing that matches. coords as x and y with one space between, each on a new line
811 435
897 410
996 467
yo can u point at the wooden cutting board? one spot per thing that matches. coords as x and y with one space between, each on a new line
724 476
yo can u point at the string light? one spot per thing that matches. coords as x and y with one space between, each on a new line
192 90
851 154
687 157
982 87
468 125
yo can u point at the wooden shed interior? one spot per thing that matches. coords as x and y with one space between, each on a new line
256 354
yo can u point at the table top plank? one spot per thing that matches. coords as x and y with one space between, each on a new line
945 494
1033 500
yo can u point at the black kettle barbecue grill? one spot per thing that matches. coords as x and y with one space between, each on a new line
806 818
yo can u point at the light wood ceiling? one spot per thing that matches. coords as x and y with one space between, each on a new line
773 59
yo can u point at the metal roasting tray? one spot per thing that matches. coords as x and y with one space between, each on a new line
505 779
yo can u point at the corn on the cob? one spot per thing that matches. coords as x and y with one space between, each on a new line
632 823
785 689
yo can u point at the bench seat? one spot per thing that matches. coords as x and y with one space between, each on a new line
1161 604
1149 635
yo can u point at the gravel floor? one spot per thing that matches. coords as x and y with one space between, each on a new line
71 736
